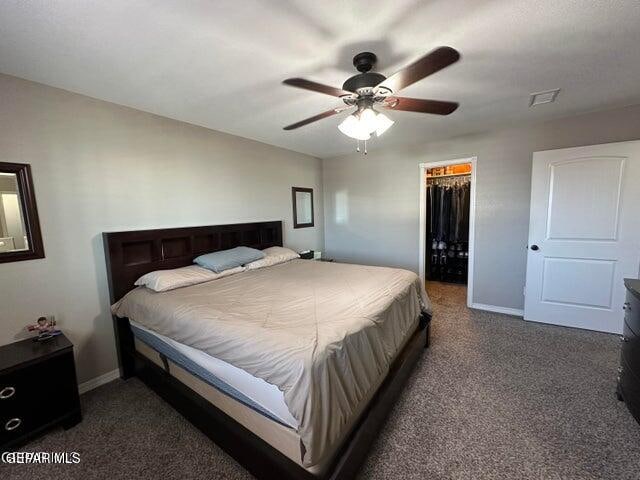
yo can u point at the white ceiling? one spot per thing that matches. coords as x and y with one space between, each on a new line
219 63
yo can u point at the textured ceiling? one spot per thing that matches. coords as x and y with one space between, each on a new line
219 63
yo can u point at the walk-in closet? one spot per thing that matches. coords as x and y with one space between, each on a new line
448 197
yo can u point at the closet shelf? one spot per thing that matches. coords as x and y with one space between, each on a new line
449 175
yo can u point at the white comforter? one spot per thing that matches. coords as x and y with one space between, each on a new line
323 333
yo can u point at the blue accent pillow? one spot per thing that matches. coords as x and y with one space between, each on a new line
226 259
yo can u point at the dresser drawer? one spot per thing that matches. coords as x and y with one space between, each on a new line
631 349
632 312
630 386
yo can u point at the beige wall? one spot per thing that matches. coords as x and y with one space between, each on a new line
101 167
372 210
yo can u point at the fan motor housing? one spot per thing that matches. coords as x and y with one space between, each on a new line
363 81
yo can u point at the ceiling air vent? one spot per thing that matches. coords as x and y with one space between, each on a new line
539 98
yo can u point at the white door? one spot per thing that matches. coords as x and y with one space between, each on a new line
584 235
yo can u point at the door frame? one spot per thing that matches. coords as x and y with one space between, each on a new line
472 218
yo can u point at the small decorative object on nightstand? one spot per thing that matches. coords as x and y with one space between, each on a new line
46 328
38 389
307 255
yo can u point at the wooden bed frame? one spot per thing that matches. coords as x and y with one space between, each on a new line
132 254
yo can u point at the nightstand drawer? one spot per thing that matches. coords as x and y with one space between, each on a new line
13 427
39 385
37 390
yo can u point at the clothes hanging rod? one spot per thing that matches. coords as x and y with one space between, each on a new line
449 175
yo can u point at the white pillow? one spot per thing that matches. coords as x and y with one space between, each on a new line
273 256
164 280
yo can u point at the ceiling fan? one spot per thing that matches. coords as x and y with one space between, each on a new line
368 89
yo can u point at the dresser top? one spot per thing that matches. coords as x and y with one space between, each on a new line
28 351
633 285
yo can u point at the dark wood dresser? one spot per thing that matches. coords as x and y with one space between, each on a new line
38 389
629 370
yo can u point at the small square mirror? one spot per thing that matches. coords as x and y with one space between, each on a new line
302 207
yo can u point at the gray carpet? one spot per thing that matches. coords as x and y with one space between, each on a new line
493 398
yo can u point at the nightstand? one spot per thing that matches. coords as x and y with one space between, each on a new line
38 389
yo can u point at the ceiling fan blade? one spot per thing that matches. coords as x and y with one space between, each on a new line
316 87
431 63
420 105
315 118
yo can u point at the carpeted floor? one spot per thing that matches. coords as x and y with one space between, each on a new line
493 398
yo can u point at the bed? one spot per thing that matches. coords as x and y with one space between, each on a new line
291 368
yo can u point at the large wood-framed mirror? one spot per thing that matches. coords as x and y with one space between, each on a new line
20 237
302 207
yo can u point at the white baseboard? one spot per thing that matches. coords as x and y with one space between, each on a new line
101 380
493 308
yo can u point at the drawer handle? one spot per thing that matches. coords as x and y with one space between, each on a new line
7 392
12 424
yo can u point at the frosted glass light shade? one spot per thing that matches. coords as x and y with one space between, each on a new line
382 123
368 120
352 127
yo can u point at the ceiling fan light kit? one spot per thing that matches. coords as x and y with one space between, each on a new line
363 123
368 89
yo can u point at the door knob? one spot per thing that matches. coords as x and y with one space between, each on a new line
535 248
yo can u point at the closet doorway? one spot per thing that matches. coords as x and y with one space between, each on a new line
447 222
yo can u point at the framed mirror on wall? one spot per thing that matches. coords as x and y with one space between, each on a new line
20 237
302 207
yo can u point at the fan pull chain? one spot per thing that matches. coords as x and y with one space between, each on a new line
358 147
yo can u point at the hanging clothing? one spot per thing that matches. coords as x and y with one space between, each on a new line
459 217
465 194
454 215
448 207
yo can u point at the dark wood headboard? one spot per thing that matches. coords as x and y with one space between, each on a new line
131 254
